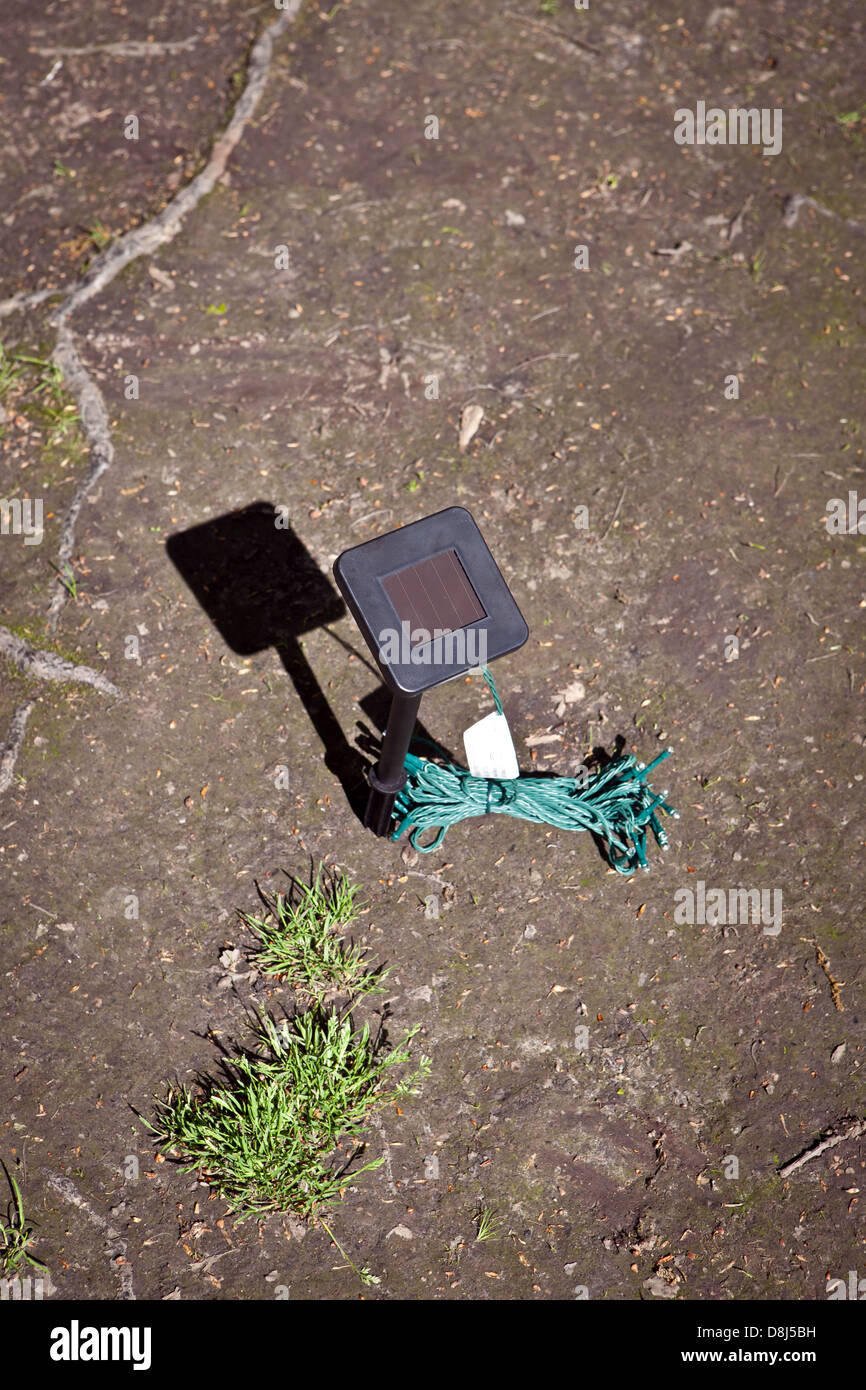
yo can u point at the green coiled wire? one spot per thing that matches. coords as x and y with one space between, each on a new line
614 804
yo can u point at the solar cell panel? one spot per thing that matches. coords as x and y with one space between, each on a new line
435 594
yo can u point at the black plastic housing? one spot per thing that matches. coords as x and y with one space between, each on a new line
360 574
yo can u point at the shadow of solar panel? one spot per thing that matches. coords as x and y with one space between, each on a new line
254 578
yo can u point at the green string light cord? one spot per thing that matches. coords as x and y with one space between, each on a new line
615 804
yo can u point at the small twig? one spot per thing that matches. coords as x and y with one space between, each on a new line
824 962
36 908
555 33
661 1160
735 226
128 48
351 207
368 516
52 73
542 357
682 248
615 515
364 1274
854 1129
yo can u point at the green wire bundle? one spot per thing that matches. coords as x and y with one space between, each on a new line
615 804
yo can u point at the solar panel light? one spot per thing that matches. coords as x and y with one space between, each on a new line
431 605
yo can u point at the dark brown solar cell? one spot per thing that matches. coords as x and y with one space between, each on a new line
435 594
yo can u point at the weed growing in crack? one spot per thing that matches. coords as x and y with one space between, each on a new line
34 389
16 1233
66 575
99 235
10 371
54 409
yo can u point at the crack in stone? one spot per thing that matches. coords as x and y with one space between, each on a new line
141 241
97 429
25 300
115 1245
791 211
144 240
48 666
12 747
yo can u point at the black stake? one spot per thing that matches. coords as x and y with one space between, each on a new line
388 777
431 605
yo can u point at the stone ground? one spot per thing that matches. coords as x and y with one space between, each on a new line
610 1168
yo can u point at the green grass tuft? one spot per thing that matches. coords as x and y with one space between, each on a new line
16 1233
300 940
487 1225
34 386
267 1139
10 371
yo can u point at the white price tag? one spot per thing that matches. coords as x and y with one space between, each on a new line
490 749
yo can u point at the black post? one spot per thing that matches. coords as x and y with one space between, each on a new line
389 776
